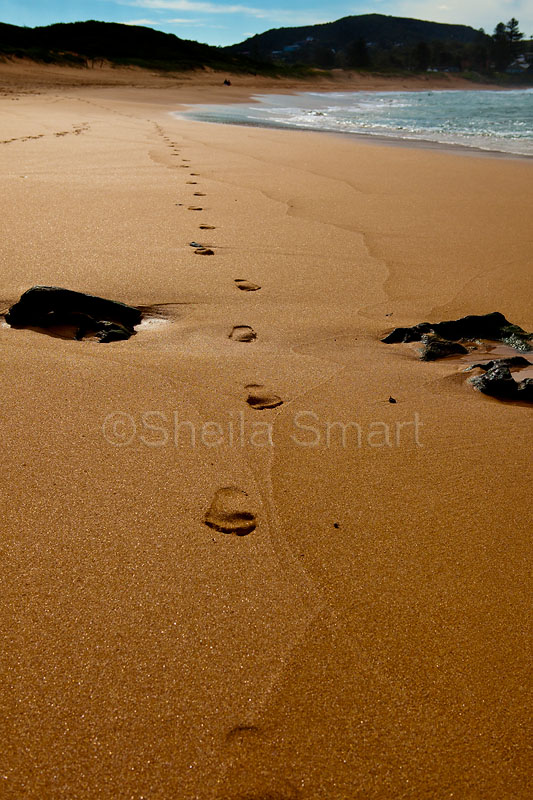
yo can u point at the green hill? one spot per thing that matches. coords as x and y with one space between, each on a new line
82 42
375 29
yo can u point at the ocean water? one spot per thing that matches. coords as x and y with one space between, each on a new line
487 120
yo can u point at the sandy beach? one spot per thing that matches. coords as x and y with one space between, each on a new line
370 638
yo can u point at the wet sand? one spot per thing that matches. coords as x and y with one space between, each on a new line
364 633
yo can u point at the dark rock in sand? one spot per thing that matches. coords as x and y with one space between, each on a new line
493 326
50 306
112 332
522 342
512 361
435 348
525 390
497 381
413 334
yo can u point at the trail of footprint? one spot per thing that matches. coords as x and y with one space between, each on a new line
259 397
229 512
243 333
246 286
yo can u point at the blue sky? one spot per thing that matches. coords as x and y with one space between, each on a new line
223 22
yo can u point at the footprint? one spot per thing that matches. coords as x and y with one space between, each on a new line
229 512
243 333
246 286
207 227
240 733
199 194
204 251
192 183
194 174
195 208
259 397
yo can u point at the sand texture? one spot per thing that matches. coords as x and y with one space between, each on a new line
207 598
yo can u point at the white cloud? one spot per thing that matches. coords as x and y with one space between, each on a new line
193 23
201 7
275 15
477 13
141 22
184 21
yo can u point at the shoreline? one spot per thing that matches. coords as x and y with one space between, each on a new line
376 580
424 144
188 111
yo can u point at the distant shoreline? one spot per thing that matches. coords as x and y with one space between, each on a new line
18 71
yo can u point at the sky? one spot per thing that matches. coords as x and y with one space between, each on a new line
224 22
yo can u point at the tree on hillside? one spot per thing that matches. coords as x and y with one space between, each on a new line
514 35
506 43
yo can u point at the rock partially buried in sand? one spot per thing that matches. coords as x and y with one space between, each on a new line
51 306
524 392
491 326
435 348
440 339
229 512
246 286
110 332
243 333
512 361
260 398
499 382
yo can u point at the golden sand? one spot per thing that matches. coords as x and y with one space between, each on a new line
369 637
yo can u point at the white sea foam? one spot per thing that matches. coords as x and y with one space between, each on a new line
490 120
